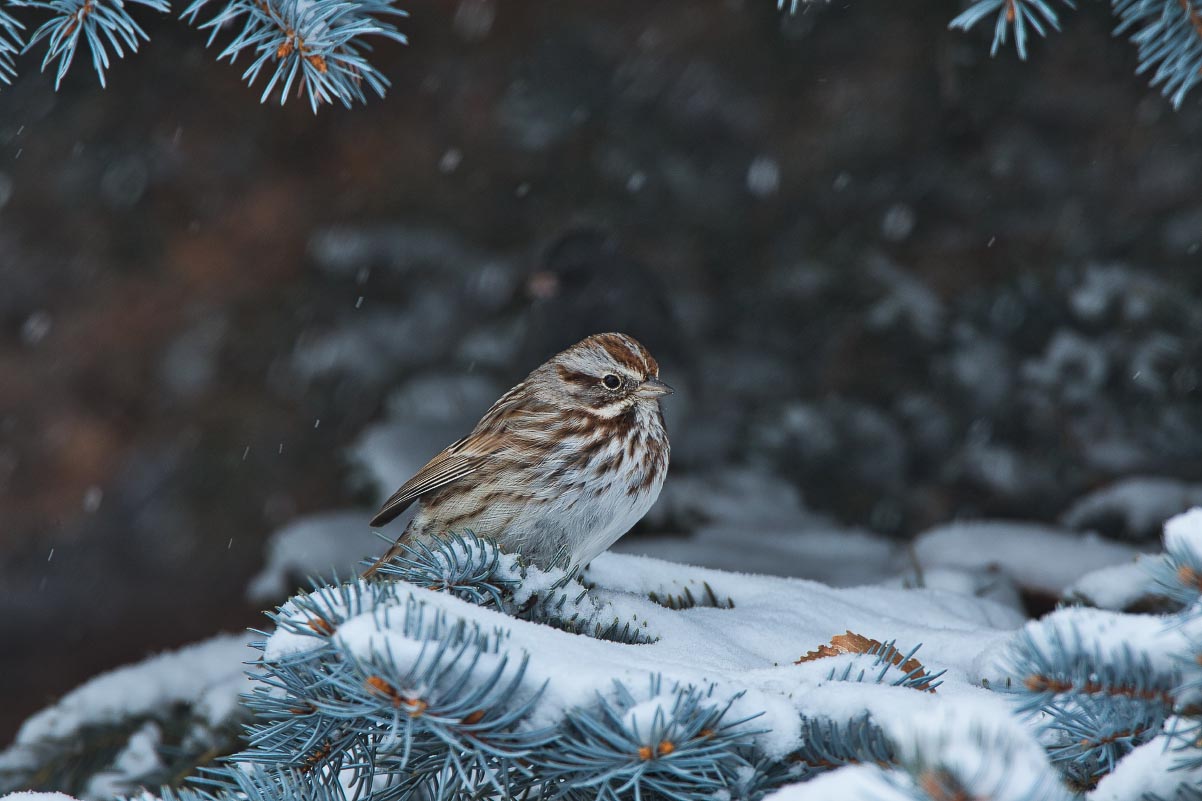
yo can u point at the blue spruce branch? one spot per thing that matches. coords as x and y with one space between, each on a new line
1183 793
687 751
477 571
253 783
314 46
1178 574
318 48
1010 14
10 45
327 713
889 666
1168 35
1096 706
462 564
104 25
380 691
828 744
1019 16
450 718
451 709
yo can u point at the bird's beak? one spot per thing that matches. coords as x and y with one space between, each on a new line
653 388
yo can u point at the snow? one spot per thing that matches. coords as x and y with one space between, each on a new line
1149 770
1183 535
983 745
841 557
1110 636
373 344
973 743
906 300
720 506
751 647
1072 366
1111 286
327 544
763 176
444 398
844 784
976 743
33 796
727 507
724 509
208 674
1140 504
139 758
733 495
987 584
389 453
1037 557
1117 587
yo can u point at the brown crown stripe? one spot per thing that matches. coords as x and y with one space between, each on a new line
625 351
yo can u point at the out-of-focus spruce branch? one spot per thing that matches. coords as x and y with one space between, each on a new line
1167 33
318 48
311 48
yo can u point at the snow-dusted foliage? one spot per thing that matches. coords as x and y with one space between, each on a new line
694 681
461 672
144 725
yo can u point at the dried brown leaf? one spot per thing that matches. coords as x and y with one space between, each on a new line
851 643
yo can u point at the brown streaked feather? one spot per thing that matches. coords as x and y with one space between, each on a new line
457 461
443 469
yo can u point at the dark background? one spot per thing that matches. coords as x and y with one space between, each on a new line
919 283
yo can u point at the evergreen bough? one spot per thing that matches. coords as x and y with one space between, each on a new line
318 48
311 48
1167 34
442 707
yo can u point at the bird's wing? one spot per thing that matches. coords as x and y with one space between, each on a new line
457 461
492 438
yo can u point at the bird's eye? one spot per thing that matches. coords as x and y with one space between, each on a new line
611 381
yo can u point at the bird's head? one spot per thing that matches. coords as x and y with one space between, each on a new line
608 375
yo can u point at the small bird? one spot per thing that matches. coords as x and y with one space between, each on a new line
561 466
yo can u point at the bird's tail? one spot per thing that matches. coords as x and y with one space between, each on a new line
395 549
387 557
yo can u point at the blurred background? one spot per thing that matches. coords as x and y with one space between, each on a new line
896 283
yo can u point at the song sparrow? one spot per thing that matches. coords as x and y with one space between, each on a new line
562 465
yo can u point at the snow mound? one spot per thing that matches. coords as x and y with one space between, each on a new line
327 544
751 647
1118 587
209 675
1134 508
840 557
1150 770
1038 557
